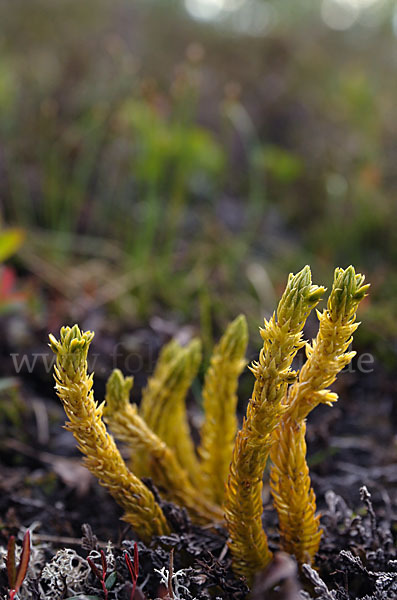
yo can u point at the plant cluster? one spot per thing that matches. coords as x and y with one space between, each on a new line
221 481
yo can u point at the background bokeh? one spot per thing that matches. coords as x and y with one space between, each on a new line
163 166
166 164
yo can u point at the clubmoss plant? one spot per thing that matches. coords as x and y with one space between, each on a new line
102 458
220 425
167 473
293 495
282 338
163 403
223 479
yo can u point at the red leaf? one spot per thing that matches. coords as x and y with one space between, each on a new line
7 281
94 569
104 564
136 560
11 568
133 569
24 562
129 565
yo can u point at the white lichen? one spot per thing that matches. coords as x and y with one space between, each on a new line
95 556
179 591
66 572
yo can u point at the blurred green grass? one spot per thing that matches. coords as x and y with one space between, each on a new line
176 168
